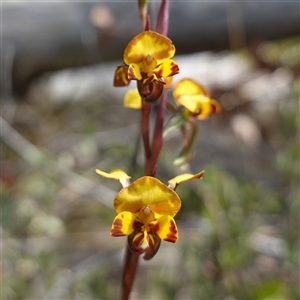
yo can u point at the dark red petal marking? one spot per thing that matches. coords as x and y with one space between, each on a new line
154 227
214 108
174 68
120 76
116 229
154 244
172 235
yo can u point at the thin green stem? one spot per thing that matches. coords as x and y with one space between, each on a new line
188 142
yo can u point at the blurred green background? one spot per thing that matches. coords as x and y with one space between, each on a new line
238 227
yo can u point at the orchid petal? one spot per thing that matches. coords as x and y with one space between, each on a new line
168 68
140 240
117 174
133 99
165 227
168 82
209 108
148 43
195 98
150 92
189 87
183 178
121 76
194 103
148 191
143 242
153 247
134 72
123 224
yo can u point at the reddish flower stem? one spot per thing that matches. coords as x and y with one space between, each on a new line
151 155
163 18
158 133
147 24
146 110
130 267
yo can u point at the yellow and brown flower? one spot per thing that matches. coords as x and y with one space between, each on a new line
148 61
195 98
146 209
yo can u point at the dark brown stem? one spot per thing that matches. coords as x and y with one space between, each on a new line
130 267
163 18
158 133
147 25
146 109
151 155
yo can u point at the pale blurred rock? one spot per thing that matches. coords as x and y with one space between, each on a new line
60 34
246 129
211 69
266 89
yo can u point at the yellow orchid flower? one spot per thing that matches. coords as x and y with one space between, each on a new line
146 209
195 98
148 57
148 60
